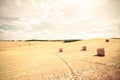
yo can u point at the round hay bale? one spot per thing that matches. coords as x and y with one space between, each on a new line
60 50
100 52
13 40
84 48
107 40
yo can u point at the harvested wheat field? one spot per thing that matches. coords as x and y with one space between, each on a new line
39 60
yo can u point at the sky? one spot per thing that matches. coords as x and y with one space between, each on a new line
59 19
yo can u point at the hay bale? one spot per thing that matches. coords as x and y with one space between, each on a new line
13 40
60 50
84 48
100 52
107 40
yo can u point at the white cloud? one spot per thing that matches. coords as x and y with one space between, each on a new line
59 19
18 2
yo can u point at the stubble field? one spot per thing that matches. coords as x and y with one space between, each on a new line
37 60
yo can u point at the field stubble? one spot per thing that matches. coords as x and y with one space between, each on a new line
42 60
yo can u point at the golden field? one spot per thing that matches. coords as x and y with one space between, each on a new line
37 60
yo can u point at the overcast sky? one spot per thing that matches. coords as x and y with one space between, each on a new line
59 19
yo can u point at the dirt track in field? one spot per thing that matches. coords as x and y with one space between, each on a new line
42 61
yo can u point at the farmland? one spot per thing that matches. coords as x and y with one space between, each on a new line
41 60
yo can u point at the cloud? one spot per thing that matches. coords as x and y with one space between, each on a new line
24 27
19 34
18 3
59 19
